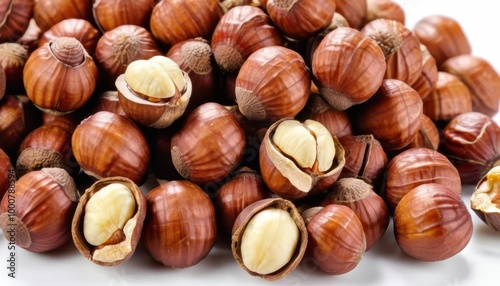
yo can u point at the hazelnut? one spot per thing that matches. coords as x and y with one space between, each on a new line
154 92
180 226
485 200
336 239
269 238
432 223
419 166
470 141
273 83
393 115
44 203
209 144
347 67
240 32
299 158
108 221
480 77
368 206
107 144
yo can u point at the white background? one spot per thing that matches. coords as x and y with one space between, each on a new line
477 264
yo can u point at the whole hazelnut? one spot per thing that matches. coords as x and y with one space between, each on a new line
180 226
336 239
37 217
432 223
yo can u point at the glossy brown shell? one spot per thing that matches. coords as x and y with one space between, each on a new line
60 76
15 16
180 227
107 144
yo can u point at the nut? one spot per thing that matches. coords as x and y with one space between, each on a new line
107 144
299 158
45 201
209 145
154 92
47 146
180 226
364 158
419 166
449 98
108 221
7 175
336 121
300 19
336 240
15 17
470 142
400 46
185 20
387 9
239 33
273 83
485 200
393 115
269 238
480 77
432 223
347 67
80 29
49 13
120 46
443 36
368 206
111 14
60 76
354 11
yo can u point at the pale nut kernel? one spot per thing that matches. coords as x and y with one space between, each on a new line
269 241
291 137
485 200
156 79
107 213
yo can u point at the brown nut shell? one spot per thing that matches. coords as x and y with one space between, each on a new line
348 67
480 77
107 144
45 201
471 142
80 29
432 223
419 166
180 227
336 239
241 223
109 14
112 254
209 145
61 76
239 33
15 17
273 83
